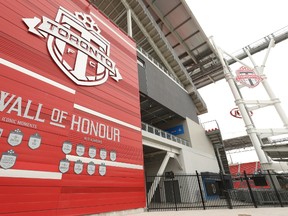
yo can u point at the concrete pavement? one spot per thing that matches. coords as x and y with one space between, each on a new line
277 211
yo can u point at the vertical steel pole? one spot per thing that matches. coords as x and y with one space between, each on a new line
148 204
250 190
174 193
226 192
129 23
275 189
200 188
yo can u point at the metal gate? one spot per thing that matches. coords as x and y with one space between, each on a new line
215 190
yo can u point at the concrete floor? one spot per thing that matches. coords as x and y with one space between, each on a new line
277 211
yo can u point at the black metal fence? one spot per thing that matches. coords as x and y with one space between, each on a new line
210 190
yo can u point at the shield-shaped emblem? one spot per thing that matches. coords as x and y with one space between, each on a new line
15 137
103 154
102 169
67 147
64 165
8 159
80 150
247 77
92 152
77 62
113 155
91 168
78 166
82 56
34 141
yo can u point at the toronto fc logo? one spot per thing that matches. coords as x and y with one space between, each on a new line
76 46
247 77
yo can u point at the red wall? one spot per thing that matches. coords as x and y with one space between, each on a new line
250 168
237 172
34 90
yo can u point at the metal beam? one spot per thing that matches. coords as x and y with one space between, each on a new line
129 23
175 64
120 15
169 26
158 144
108 5
147 35
113 11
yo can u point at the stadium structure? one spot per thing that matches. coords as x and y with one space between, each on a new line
96 95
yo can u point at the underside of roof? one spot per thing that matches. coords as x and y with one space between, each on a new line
277 151
168 32
237 143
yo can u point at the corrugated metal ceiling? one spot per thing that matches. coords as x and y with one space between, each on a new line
169 32
181 29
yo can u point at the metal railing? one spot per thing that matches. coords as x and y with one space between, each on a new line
259 45
164 134
215 190
210 125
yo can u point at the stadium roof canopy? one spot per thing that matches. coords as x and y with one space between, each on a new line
168 32
237 143
164 27
277 150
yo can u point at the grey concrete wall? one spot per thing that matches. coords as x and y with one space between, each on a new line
158 86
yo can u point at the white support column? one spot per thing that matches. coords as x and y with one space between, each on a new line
259 71
243 105
159 173
129 23
277 105
250 128
178 162
244 112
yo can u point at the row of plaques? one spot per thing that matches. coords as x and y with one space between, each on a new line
80 151
64 166
8 160
15 138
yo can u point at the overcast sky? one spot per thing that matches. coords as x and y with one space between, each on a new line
234 25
